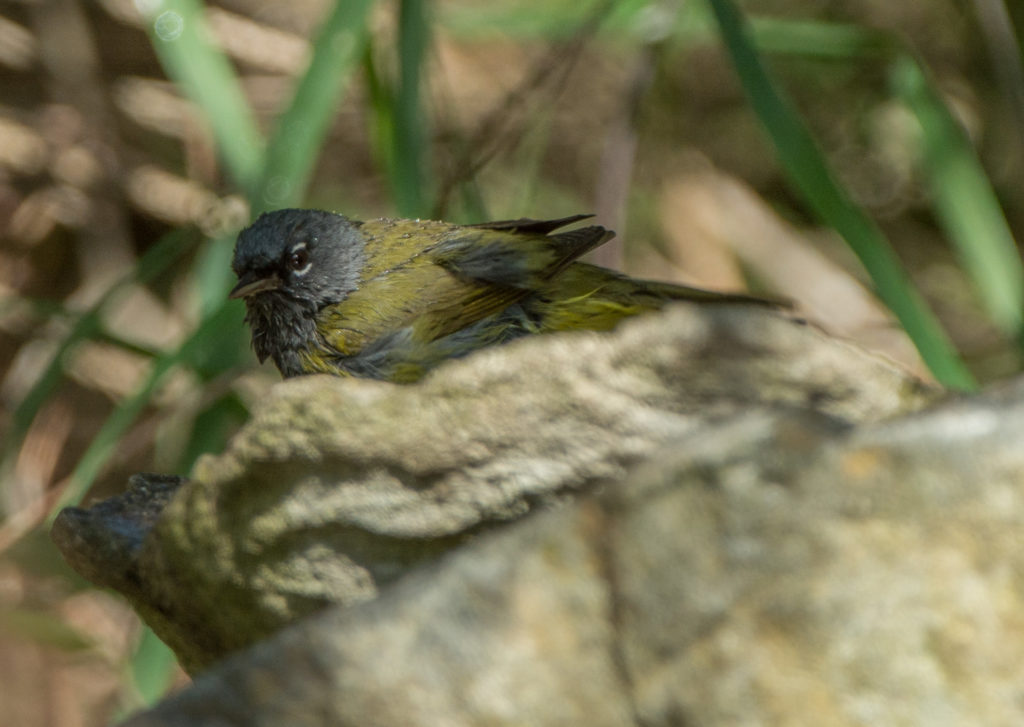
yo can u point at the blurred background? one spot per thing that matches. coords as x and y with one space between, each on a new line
860 157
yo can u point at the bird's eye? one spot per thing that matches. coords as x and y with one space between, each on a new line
299 259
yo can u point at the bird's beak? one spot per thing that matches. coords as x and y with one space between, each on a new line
250 284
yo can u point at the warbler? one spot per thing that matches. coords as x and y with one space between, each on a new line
392 298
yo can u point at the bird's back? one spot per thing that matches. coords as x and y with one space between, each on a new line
431 291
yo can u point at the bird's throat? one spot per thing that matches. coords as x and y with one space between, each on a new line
282 329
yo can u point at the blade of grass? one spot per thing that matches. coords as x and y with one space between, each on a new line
149 674
807 170
380 94
152 668
474 207
38 307
212 273
410 120
180 37
301 129
814 39
102 445
212 426
155 261
112 338
525 20
965 202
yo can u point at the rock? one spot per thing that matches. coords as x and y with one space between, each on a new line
778 568
692 519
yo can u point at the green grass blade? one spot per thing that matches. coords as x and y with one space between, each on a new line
965 202
815 39
528 21
180 37
154 262
39 307
380 95
102 445
411 129
152 668
300 131
149 674
213 274
807 170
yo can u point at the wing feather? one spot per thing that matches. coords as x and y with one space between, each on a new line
453 277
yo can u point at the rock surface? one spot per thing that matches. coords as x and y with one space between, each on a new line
711 516
781 569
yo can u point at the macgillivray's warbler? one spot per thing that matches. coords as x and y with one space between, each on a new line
391 299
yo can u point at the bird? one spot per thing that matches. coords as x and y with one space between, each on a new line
390 299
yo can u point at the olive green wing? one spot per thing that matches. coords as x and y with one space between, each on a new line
515 259
495 268
443 277
389 244
521 253
419 299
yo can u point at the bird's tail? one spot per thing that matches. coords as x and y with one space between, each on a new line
589 297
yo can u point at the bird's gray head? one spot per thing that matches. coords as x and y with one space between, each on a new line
307 255
290 264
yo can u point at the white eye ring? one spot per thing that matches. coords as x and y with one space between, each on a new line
299 261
